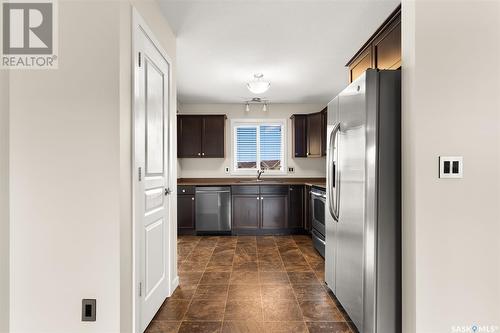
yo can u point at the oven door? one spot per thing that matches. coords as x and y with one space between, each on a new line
318 200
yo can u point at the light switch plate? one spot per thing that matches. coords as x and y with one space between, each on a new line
451 167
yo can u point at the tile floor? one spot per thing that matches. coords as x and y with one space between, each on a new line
250 284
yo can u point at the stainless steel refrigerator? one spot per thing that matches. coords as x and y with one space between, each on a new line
363 218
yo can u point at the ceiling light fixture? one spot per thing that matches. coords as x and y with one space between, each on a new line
258 86
258 101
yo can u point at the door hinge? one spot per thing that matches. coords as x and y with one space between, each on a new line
140 173
140 289
139 59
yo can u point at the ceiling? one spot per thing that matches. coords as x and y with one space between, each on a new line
300 46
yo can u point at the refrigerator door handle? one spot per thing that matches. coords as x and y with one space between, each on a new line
332 174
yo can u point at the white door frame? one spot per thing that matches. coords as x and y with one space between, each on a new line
139 26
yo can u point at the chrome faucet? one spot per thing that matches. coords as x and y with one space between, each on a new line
259 173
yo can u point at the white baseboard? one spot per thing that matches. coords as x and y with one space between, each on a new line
173 285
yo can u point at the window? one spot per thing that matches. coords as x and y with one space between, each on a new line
259 145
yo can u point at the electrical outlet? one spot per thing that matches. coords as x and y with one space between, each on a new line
291 170
226 169
88 309
451 167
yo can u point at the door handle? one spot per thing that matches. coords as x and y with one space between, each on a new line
332 174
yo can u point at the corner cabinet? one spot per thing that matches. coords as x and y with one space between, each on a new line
201 136
382 50
309 134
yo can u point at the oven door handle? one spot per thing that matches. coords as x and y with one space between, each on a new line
320 195
318 236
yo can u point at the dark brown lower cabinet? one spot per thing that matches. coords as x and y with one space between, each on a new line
260 208
246 212
274 211
307 208
186 213
296 207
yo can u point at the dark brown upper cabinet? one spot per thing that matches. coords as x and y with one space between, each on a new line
314 123
382 50
324 125
387 47
201 136
363 62
309 134
299 133
213 136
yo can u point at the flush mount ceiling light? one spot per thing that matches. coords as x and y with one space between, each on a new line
258 86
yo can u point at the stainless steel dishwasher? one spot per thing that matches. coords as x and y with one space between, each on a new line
213 209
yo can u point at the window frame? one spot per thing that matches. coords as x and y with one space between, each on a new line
235 123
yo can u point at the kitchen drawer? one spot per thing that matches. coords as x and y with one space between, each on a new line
245 189
319 242
274 189
186 189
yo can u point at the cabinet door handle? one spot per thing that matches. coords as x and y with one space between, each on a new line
199 154
202 154
192 198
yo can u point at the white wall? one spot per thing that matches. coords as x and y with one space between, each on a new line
4 200
71 199
65 180
214 167
451 85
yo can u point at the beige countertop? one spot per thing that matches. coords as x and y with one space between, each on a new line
319 182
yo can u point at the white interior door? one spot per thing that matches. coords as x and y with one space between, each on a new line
151 186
